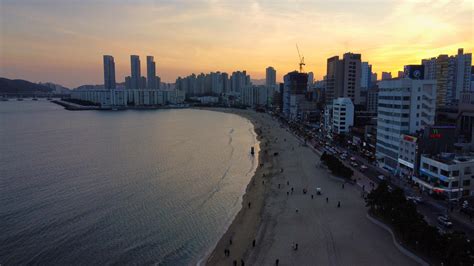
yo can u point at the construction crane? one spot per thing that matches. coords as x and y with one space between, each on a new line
301 59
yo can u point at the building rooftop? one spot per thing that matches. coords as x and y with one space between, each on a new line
452 158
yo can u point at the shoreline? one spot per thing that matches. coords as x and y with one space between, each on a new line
254 194
326 235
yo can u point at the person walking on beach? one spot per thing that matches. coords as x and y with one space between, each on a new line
327 199
253 243
250 203
338 204
277 261
342 185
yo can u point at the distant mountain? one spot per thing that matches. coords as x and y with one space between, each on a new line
90 87
21 86
57 89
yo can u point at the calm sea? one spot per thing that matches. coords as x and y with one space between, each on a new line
141 187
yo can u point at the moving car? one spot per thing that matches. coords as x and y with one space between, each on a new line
415 200
444 221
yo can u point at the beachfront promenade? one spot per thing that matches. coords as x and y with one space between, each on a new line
325 234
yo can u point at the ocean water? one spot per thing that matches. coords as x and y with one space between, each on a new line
125 187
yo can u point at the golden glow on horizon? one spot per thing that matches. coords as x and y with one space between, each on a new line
64 42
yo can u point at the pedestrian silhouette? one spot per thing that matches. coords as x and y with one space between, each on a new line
277 261
338 204
327 200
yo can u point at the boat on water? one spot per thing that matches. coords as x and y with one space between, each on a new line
35 99
19 99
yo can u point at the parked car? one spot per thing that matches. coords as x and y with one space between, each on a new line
381 177
363 168
444 221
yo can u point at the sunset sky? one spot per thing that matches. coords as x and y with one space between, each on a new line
63 41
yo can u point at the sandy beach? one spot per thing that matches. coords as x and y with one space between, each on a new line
279 218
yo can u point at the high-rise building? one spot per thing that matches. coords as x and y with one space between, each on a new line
270 76
343 77
386 75
151 73
404 106
109 72
294 89
462 73
310 79
238 80
225 82
451 74
135 78
365 75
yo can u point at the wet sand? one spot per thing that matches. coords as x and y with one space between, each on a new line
325 234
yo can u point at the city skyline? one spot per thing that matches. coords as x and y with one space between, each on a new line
193 37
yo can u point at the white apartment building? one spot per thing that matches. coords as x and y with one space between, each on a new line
257 95
342 115
447 173
108 98
404 106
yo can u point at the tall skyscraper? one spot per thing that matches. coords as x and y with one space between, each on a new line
365 75
270 77
135 78
404 106
343 78
109 72
151 73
